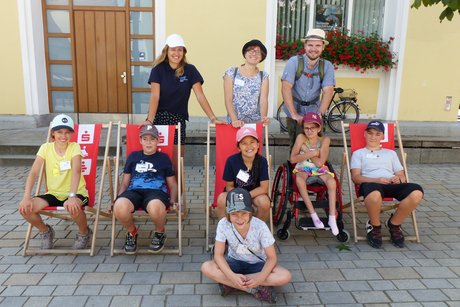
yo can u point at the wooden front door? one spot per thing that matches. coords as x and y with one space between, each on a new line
101 62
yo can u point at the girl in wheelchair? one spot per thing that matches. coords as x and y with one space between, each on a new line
310 153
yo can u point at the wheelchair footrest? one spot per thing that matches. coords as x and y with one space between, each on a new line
306 223
323 204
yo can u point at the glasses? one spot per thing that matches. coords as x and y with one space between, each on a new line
254 51
310 128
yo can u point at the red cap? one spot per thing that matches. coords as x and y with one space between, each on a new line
312 117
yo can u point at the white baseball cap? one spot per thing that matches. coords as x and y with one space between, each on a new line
175 40
62 121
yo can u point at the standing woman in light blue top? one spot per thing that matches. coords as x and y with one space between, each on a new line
246 88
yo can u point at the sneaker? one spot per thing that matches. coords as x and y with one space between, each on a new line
81 241
158 242
130 243
396 235
225 290
265 294
47 238
374 235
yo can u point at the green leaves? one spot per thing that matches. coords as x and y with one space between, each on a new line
343 247
451 6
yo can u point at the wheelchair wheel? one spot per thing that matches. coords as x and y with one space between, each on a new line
278 195
283 234
343 236
282 118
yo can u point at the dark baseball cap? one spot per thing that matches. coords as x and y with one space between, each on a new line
149 130
375 124
239 199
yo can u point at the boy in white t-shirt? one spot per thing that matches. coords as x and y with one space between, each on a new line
250 264
379 174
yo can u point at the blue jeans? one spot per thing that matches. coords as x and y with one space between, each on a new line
241 267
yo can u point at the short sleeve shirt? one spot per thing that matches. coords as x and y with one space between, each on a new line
58 170
383 163
246 94
258 238
174 91
148 171
235 164
307 89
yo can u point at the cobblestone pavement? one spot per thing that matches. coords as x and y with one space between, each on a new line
425 274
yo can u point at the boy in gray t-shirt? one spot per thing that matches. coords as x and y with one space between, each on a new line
379 174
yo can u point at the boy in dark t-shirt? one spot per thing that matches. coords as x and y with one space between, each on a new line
146 176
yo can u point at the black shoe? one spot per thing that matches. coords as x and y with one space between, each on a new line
396 235
158 242
130 243
374 235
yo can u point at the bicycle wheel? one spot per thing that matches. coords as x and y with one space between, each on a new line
278 195
282 117
346 111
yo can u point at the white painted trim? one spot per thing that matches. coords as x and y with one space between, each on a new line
269 66
349 15
311 14
160 25
33 57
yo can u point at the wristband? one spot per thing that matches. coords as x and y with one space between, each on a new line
72 194
148 120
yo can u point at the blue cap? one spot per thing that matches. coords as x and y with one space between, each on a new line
375 124
239 199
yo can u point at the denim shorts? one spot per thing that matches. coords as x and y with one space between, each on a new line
242 267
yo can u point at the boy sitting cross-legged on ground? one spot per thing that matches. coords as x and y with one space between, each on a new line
65 184
146 176
379 175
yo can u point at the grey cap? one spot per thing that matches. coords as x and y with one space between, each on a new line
149 130
239 199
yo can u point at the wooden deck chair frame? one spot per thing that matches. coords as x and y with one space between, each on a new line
208 203
178 213
94 211
352 189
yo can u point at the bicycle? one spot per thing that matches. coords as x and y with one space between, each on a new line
345 109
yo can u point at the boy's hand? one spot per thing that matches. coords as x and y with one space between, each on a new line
25 206
252 282
240 280
384 180
72 205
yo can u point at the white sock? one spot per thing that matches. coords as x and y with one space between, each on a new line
317 221
333 224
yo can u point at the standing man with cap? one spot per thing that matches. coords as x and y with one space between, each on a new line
246 88
379 174
312 90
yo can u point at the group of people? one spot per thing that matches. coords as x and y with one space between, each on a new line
244 253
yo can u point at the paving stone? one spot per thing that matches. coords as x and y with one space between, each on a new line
141 290
13 301
88 290
115 290
153 300
398 273
184 289
218 300
400 296
370 297
64 290
61 279
336 297
99 301
301 298
141 278
312 287
74 301
354 285
23 279
183 300
435 272
39 291
37 301
162 289
101 278
360 274
323 275
182 278
428 295
126 301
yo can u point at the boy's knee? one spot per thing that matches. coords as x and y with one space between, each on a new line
416 196
156 206
221 199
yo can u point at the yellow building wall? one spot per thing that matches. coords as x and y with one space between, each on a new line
431 68
367 89
11 78
214 32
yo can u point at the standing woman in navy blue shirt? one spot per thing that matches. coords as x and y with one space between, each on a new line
171 80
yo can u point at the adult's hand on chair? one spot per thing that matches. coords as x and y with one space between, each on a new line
237 123
265 121
25 206
72 205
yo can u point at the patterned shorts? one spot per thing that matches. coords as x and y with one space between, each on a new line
168 118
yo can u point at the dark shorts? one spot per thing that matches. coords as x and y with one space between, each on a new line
54 202
141 198
168 118
394 190
241 267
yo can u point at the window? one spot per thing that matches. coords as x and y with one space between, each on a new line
295 17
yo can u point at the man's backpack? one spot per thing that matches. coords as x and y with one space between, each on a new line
300 64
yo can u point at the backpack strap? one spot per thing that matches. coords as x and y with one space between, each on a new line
300 64
321 70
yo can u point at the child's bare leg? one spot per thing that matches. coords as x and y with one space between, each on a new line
406 206
212 271
157 212
301 181
81 221
262 202
331 192
123 210
278 277
373 203
221 205
33 217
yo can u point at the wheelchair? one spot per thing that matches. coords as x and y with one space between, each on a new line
285 197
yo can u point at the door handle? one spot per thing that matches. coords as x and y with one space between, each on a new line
123 76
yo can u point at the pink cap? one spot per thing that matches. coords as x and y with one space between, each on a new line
312 117
244 132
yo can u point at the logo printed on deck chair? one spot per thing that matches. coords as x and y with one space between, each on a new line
162 135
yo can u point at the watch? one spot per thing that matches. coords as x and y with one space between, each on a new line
71 194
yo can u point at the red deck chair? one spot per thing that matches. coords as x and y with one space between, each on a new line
165 144
225 147
88 136
357 141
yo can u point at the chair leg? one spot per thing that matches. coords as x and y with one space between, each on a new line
27 240
112 242
414 223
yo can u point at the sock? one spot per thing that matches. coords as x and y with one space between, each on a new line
333 224
317 221
134 232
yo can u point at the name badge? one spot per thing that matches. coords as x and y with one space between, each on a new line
239 82
242 250
64 165
243 176
371 156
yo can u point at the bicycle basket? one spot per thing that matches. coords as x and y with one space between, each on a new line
348 93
